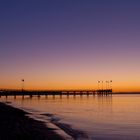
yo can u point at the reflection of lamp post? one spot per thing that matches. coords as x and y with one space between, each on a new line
22 84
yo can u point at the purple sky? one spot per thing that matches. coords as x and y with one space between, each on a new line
70 43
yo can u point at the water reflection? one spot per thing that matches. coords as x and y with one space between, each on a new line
105 100
84 99
102 117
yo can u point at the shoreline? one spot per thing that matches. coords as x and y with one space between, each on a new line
14 124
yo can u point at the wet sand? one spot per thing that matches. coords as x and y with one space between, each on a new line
15 125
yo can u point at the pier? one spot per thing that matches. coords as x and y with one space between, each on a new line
102 92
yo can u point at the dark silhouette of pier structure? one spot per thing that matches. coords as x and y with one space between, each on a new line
101 91
31 93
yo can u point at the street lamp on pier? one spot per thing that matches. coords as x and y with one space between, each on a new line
22 84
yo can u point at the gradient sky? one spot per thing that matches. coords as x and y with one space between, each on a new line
65 44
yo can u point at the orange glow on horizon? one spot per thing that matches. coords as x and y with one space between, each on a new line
71 79
66 86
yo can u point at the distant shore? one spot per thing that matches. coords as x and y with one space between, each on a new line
15 125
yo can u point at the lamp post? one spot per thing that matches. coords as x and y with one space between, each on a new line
102 85
110 84
22 84
98 85
106 85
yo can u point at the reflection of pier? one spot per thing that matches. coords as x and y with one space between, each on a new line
103 92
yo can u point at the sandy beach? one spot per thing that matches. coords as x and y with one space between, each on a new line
15 125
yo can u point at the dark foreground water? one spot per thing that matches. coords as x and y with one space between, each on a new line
115 117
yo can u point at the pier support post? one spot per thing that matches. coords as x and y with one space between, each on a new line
22 96
53 96
14 96
31 95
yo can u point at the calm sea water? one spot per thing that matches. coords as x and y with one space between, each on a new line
115 117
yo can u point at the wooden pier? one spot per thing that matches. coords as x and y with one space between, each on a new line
101 92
